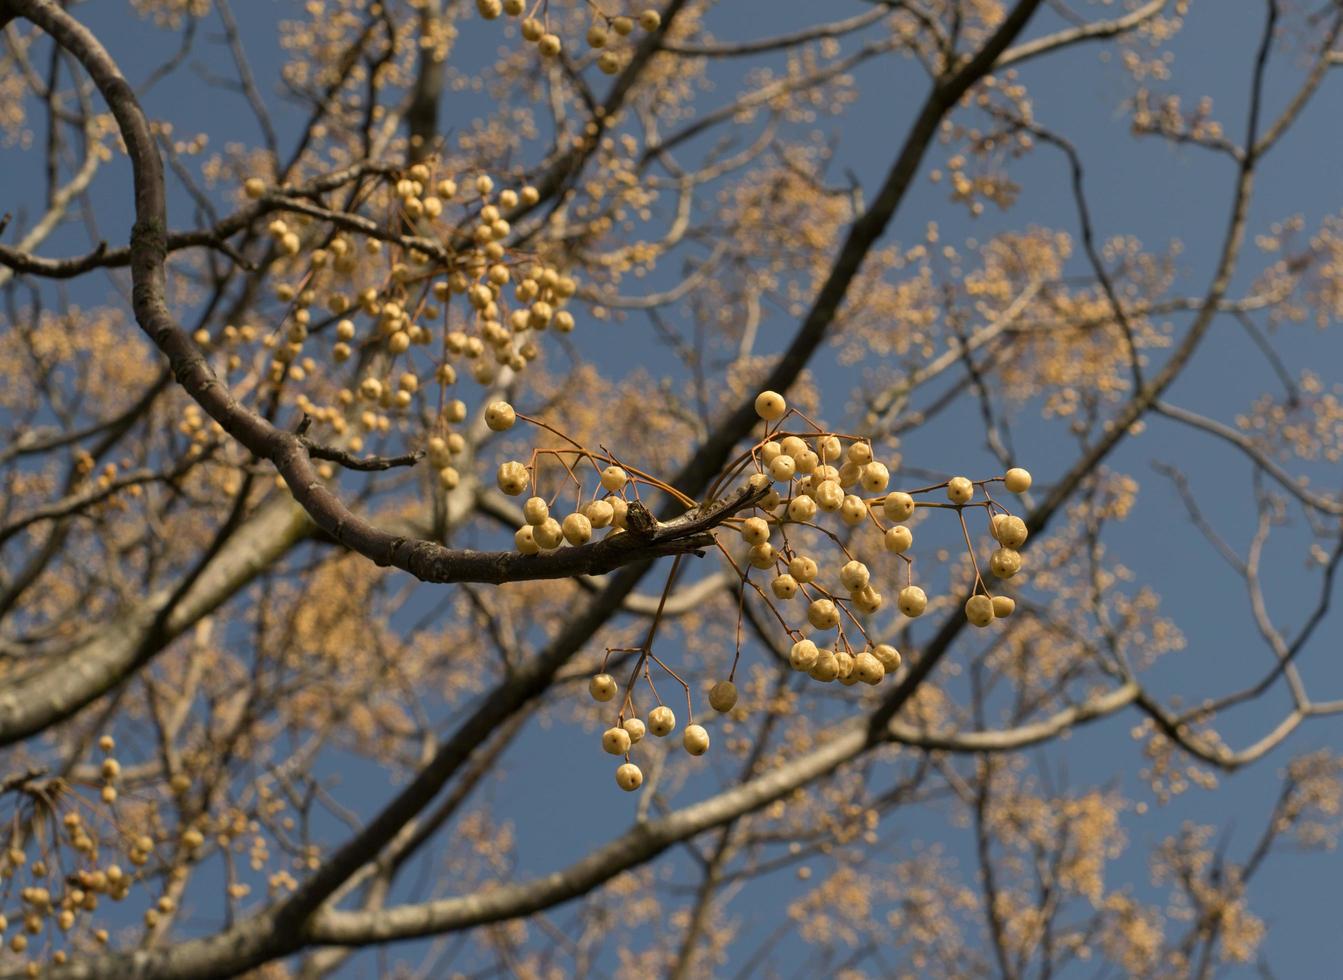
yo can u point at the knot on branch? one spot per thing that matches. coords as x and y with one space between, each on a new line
712 513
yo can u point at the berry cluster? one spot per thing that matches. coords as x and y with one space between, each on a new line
388 289
608 507
811 473
629 729
818 473
61 864
604 35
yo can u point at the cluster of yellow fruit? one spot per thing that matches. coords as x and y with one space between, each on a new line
629 729
808 473
542 531
611 511
803 465
870 665
404 291
66 880
603 34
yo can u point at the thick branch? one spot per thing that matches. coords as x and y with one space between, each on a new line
862 236
645 841
64 684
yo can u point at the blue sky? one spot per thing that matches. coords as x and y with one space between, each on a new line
558 791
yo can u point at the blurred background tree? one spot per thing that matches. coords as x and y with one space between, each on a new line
408 405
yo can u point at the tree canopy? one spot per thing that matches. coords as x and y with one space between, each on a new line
900 451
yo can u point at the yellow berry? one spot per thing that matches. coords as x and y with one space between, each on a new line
803 655
1017 480
695 740
661 721
540 315
852 511
853 575
1010 531
782 468
960 490
889 657
599 513
577 529
616 741
254 187
650 20
844 668
912 601
602 687
770 406
867 599
979 610
438 452
548 534
860 453
897 506
829 496
1003 606
874 477
899 539
761 555
636 729
826 667
512 478
723 696
755 530
823 614
535 511
868 669
801 509
1005 562
629 777
803 568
